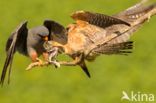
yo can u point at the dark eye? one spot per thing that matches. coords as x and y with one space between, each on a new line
67 28
40 35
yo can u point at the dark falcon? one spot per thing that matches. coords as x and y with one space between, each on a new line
28 42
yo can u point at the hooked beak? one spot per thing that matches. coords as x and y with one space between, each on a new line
45 38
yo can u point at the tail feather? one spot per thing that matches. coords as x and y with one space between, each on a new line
119 48
84 68
138 13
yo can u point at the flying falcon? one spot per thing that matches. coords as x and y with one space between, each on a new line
94 34
28 42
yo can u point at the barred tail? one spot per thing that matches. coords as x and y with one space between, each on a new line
118 49
138 13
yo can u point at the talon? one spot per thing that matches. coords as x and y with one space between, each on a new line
32 65
148 19
40 62
57 64
36 64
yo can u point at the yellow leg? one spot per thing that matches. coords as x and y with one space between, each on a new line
39 62
76 61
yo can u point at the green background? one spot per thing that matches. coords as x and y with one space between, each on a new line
110 74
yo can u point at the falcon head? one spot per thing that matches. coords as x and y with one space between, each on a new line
42 33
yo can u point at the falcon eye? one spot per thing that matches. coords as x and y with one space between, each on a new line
45 38
40 35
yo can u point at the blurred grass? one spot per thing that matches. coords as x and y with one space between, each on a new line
110 74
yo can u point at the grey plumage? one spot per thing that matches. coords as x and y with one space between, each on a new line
25 42
35 35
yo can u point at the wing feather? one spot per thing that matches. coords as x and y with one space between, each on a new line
56 30
97 19
11 46
135 12
84 68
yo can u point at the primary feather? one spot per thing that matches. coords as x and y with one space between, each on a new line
14 41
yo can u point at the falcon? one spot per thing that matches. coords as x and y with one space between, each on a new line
94 34
28 42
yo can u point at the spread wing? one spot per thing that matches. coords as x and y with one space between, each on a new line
135 12
15 42
117 44
136 16
57 31
123 48
97 19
